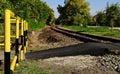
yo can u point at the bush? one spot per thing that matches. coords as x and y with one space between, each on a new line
35 25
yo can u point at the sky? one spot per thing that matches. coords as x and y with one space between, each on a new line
95 5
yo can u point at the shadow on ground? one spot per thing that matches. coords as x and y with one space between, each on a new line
91 48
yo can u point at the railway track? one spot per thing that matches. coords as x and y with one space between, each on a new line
86 37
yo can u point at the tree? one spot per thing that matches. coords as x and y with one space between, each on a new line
112 11
37 8
3 5
74 12
50 19
101 18
117 21
66 1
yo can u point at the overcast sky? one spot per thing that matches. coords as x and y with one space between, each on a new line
95 5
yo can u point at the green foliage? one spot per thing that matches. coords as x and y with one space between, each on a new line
26 8
112 11
37 8
74 12
110 16
3 5
51 19
101 19
35 24
66 1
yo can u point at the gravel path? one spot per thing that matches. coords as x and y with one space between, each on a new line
110 61
75 65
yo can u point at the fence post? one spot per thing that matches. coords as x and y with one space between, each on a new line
17 40
24 37
9 68
15 59
7 43
22 40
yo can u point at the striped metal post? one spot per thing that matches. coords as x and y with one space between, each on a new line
7 43
24 37
16 59
22 41
17 40
20 47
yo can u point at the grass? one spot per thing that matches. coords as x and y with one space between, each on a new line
29 67
104 31
35 49
35 67
1 72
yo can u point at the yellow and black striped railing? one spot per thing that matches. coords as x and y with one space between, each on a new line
21 41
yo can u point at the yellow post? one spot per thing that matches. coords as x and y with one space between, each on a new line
17 39
24 36
22 40
22 22
7 42
7 30
17 27
21 55
26 25
20 47
12 67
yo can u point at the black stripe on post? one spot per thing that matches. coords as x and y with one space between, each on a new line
22 42
24 38
7 62
26 35
17 51
11 72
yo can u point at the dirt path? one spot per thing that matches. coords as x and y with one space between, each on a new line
74 65
47 38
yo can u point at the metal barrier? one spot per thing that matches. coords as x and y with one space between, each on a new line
21 41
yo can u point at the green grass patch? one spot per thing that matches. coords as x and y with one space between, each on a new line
36 67
35 49
29 67
35 25
2 72
104 31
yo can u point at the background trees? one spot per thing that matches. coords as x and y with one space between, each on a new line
3 5
74 12
110 16
112 13
101 18
31 10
